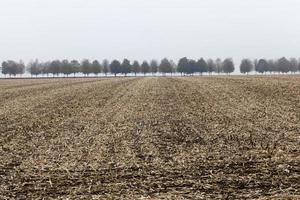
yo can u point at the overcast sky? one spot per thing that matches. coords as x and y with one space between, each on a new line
145 29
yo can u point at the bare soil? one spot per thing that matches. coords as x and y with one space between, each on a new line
150 138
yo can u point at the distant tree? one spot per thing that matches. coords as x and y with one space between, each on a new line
145 68
54 67
21 68
136 67
255 63
153 66
96 67
272 66
261 66
34 68
115 67
284 65
228 66
165 66
183 65
219 66
293 65
105 65
211 66
299 65
125 67
246 66
201 66
173 67
193 67
66 67
18 68
86 67
44 68
5 69
75 65
13 68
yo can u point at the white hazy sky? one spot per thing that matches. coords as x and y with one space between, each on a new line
146 29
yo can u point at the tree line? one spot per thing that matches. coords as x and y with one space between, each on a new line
184 66
282 65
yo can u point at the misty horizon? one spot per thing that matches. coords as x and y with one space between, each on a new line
140 30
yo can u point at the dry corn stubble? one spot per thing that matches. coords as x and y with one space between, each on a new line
150 138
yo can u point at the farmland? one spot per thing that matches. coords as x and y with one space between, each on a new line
150 138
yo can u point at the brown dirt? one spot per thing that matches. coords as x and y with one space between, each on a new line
150 138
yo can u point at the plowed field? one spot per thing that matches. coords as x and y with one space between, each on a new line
150 138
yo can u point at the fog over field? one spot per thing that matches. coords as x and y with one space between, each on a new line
136 29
